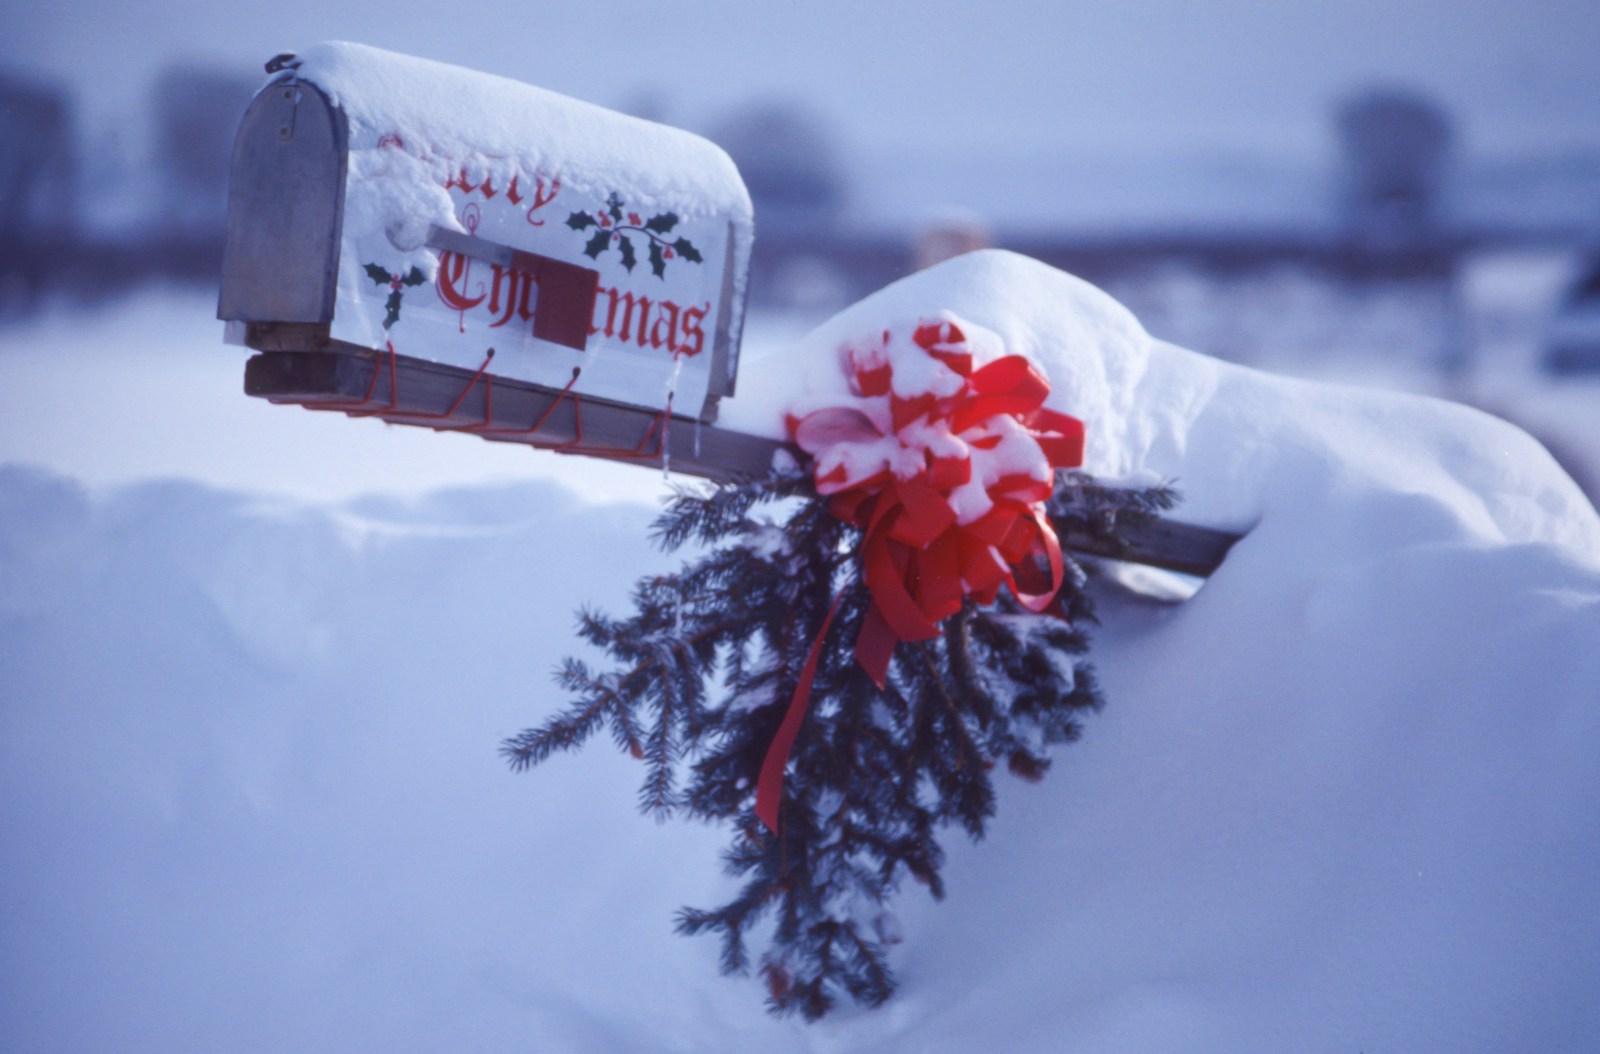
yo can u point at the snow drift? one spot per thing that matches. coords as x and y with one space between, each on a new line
1342 799
1248 448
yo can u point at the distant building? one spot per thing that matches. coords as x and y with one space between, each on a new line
196 113
1573 342
38 188
1395 149
950 233
789 164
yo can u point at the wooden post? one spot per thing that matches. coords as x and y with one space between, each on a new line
401 390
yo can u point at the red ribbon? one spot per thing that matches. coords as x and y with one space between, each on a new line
919 562
770 787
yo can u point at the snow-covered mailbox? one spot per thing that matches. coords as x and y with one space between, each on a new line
437 247
440 247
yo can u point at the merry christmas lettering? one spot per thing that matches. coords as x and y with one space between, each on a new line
508 294
622 315
543 193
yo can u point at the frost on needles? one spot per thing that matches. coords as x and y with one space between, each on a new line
702 670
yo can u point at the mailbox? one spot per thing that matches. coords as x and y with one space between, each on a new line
411 225
437 247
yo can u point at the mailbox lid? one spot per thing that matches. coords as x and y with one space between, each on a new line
659 214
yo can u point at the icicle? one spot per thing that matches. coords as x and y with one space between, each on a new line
666 421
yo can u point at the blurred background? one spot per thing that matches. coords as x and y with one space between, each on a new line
1398 192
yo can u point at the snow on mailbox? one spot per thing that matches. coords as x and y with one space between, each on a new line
437 247
418 225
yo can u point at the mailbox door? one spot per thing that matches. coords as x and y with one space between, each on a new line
285 208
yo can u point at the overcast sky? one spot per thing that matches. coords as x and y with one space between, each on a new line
1129 75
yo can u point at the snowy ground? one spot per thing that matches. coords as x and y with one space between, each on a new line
254 664
145 389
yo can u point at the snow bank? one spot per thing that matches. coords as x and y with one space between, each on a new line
1247 448
249 793
1344 799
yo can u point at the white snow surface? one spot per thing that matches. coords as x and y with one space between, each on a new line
458 115
447 120
1245 447
1343 799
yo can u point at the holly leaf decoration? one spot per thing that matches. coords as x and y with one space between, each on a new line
662 223
415 277
393 306
379 275
597 244
580 221
628 257
685 248
615 208
658 263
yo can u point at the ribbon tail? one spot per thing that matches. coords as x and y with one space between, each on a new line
875 646
769 788
1038 602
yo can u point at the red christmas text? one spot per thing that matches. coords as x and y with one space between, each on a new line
508 295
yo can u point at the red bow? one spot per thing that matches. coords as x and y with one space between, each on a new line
900 486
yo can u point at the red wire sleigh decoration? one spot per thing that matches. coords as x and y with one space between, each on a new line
298 365
363 407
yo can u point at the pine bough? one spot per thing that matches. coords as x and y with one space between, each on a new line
701 673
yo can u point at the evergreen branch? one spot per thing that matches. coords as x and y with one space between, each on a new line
530 747
875 776
656 794
626 733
